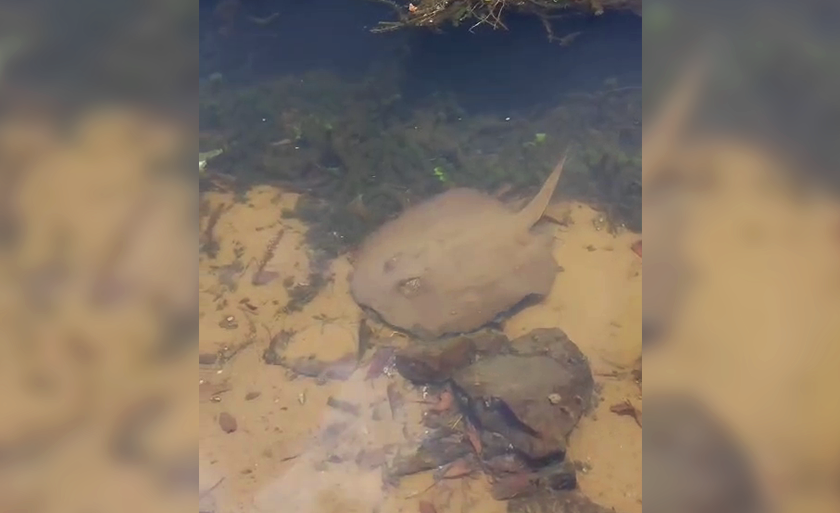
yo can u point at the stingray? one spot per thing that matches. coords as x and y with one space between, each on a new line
456 262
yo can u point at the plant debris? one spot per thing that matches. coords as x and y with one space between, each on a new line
364 127
434 13
382 358
261 276
365 334
395 399
627 408
207 241
344 406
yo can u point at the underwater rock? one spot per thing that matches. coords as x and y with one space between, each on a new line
227 422
505 463
508 394
433 452
553 502
434 362
520 400
523 484
487 341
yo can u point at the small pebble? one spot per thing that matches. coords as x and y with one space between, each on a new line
229 323
250 396
227 422
555 399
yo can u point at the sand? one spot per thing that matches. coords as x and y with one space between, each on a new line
275 459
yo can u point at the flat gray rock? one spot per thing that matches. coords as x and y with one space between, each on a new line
533 396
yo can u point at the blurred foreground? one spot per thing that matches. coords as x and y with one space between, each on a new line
98 373
742 273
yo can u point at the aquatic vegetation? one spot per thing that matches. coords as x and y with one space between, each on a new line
361 152
539 138
440 174
204 157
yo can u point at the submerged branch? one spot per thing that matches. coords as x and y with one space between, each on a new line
434 13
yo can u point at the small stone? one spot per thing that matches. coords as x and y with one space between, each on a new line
555 399
227 422
250 396
229 323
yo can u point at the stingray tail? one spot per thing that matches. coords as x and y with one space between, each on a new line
534 210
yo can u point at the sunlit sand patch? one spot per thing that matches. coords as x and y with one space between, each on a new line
278 457
596 299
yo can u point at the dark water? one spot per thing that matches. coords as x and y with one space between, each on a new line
418 110
520 69
486 69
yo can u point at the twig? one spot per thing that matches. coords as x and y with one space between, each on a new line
204 493
627 408
493 15
259 277
548 30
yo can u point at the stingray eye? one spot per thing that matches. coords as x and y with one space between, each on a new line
409 287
